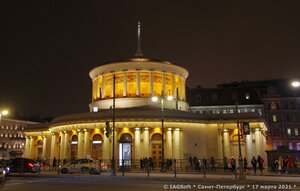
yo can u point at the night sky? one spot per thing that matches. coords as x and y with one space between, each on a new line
49 47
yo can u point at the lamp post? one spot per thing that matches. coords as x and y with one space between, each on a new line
155 99
241 166
4 112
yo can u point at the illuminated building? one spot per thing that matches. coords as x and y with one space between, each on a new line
138 120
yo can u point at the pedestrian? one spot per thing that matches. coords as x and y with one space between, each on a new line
54 163
280 165
233 165
254 162
213 162
245 164
260 161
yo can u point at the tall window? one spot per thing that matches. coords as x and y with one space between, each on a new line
274 118
273 105
291 146
289 132
296 132
144 83
298 146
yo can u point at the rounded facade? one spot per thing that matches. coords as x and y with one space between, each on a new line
136 81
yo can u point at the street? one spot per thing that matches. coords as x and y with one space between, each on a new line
143 183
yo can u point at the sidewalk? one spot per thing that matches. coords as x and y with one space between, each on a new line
154 176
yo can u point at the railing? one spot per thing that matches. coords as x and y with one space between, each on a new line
176 166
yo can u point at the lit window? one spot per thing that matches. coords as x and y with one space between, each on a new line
224 111
231 111
274 146
298 146
291 146
253 110
247 96
296 132
259 111
274 117
289 132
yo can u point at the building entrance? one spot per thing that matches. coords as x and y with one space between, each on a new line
97 147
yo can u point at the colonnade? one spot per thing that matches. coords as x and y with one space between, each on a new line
143 84
58 144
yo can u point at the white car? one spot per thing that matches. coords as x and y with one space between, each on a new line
80 166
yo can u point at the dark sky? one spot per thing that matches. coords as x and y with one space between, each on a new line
48 47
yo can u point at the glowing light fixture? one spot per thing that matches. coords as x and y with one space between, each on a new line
155 98
295 84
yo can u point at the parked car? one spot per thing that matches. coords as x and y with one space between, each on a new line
80 166
22 165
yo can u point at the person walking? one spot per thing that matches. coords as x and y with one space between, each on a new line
54 164
213 162
260 161
280 165
254 162
245 164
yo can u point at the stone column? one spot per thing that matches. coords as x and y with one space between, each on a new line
67 151
62 146
151 84
53 147
176 144
103 87
258 145
226 142
138 84
87 143
137 143
125 84
249 148
27 147
106 154
146 143
31 148
164 82
168 150
220 144
44 147
80 144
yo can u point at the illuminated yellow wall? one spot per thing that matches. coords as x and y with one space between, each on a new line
108 85
144 84
169 84
119 84
157 83
131 84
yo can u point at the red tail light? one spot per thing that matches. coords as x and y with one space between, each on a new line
30 164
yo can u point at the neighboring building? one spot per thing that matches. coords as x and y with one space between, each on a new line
230 104
12 138
138 120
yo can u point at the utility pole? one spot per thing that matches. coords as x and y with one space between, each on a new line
113 160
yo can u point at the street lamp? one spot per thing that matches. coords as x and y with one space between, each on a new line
155 99
295 84
4 112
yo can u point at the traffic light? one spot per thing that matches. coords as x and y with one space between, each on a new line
107 129
246 128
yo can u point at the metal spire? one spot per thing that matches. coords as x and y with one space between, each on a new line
139 49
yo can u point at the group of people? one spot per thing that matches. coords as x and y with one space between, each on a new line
147 163
255 163
283 165
198 163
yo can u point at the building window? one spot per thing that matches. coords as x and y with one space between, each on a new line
298 146
274 118
247 96
274 146
296 132
291 146
231 111
273 105
289 131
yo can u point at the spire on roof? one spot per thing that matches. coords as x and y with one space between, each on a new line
139 52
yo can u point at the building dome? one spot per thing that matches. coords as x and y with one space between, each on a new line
136 81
